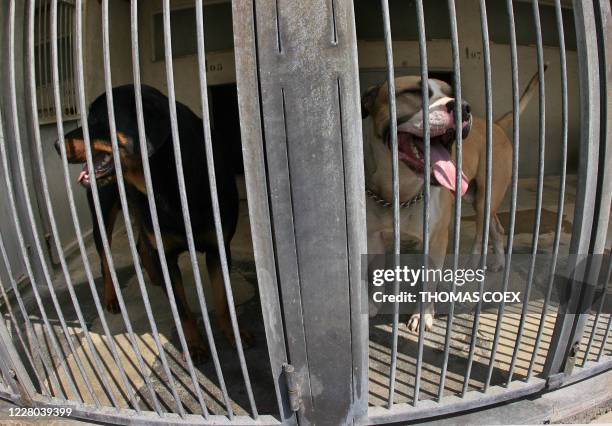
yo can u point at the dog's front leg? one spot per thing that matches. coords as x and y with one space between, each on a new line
150 261
497 238
438 243
109 205
222 314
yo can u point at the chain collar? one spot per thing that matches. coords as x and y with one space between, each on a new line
403 205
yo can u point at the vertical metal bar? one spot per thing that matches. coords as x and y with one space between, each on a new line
514 184
561 200
185 208
251 130
427 176
604 340
77 227
47 364
215 203
142 136
44 78
26 349
488 165
566 333
40 55
459 163
41 166
122 195
61 55
540 187
395 184
30 215
13 369
599 311
603 19
155 221
73 105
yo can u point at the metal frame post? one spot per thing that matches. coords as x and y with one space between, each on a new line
304 74
566 336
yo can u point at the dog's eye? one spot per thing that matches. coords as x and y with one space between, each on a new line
414 90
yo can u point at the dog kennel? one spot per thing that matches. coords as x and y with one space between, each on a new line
299 68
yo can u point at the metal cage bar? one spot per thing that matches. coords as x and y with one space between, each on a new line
126 215
600 307
217 218
26 349
75 219
562 182
45 191
185 208
514 185
540 187
459 163
395 185
427 185
17 220
565 337
484 26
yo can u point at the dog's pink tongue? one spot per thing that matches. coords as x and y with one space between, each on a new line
82 176
444 169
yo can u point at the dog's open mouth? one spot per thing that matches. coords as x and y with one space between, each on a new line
104 170
411 151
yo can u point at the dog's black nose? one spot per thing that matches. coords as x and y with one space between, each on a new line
466 110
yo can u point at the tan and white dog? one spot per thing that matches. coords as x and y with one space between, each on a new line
378 169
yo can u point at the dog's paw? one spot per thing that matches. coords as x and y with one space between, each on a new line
246 338
414 322
199 354
112 306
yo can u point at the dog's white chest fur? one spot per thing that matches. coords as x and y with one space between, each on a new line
380 218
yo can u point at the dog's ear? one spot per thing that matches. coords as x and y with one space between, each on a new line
157 120
367 100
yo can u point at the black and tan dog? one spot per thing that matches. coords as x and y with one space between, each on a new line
166 192
410 130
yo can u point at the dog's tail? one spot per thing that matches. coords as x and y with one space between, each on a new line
505 121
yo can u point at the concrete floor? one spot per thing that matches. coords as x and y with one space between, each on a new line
244 285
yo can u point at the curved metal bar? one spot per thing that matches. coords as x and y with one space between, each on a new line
77 225
562 179
215 203
540 187
514 184
24 313
30 215
458 179
48 205
488 165
395 184
26 349
427 175
598 315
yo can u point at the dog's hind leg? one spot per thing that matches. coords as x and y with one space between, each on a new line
150 260
497 238
222 314
195 342
109 203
